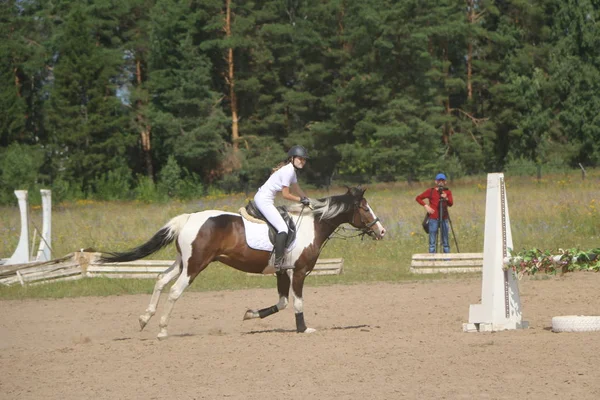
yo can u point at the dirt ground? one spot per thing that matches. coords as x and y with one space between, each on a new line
374 341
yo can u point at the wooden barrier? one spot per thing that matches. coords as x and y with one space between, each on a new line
84 264
444 263
65 268
328 266
138 269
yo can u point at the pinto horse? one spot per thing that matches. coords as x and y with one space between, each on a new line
207 236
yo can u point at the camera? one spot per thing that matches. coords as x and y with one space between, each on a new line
440 190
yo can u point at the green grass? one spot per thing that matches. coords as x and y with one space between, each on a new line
558 212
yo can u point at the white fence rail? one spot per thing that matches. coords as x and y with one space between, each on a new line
324 266
84 265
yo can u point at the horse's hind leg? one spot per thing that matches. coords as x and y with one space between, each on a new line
283 288
174 294
162 280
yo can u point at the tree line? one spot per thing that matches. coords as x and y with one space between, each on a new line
168 98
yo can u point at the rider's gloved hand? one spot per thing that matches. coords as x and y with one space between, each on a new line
305 201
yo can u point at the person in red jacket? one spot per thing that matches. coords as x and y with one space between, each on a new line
439 198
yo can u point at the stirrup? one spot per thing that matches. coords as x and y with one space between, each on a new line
282 267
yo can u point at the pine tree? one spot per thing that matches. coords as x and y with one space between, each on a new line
520 100
185 120
85 119
135 38
389 96
287 84
574 70
12 103
22 72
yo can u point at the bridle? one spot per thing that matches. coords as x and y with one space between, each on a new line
362 231
366 228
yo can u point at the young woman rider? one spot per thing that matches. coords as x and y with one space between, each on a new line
283 179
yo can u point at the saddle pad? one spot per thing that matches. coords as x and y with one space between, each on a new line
257 236
249 217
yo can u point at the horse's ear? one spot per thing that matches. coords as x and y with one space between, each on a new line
357 192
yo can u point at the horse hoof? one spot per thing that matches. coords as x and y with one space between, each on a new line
250 314
309 330
143 321
162 335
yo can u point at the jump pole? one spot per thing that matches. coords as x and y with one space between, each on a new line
500 307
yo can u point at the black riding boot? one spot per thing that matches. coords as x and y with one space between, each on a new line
280 240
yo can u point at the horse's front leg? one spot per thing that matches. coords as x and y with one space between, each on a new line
297 285
283 288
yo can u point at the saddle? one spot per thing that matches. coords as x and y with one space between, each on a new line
252 213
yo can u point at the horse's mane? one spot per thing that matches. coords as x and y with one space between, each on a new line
329 207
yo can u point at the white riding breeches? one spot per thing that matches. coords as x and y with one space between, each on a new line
267 208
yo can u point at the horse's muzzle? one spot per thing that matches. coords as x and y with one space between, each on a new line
377 232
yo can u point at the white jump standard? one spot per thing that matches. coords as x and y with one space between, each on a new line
500 307
21 254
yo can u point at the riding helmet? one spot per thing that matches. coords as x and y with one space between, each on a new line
440 177
298 151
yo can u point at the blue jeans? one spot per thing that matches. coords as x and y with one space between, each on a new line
433 229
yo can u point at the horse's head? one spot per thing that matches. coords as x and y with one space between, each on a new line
363 216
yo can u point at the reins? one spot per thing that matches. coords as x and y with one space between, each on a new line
366 230
300 215
360 232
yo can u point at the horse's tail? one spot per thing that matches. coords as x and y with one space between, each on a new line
165 235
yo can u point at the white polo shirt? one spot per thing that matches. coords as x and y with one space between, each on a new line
284 176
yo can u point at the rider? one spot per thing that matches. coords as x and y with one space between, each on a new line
283 179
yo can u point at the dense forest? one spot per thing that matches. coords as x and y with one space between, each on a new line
150 99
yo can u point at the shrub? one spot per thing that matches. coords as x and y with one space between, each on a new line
64 190
146 190
19 170
113 185
191 186
169 179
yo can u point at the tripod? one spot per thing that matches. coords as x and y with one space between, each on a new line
439 234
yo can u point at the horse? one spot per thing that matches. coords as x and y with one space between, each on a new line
214 235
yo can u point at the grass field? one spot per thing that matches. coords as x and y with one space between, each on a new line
556 212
